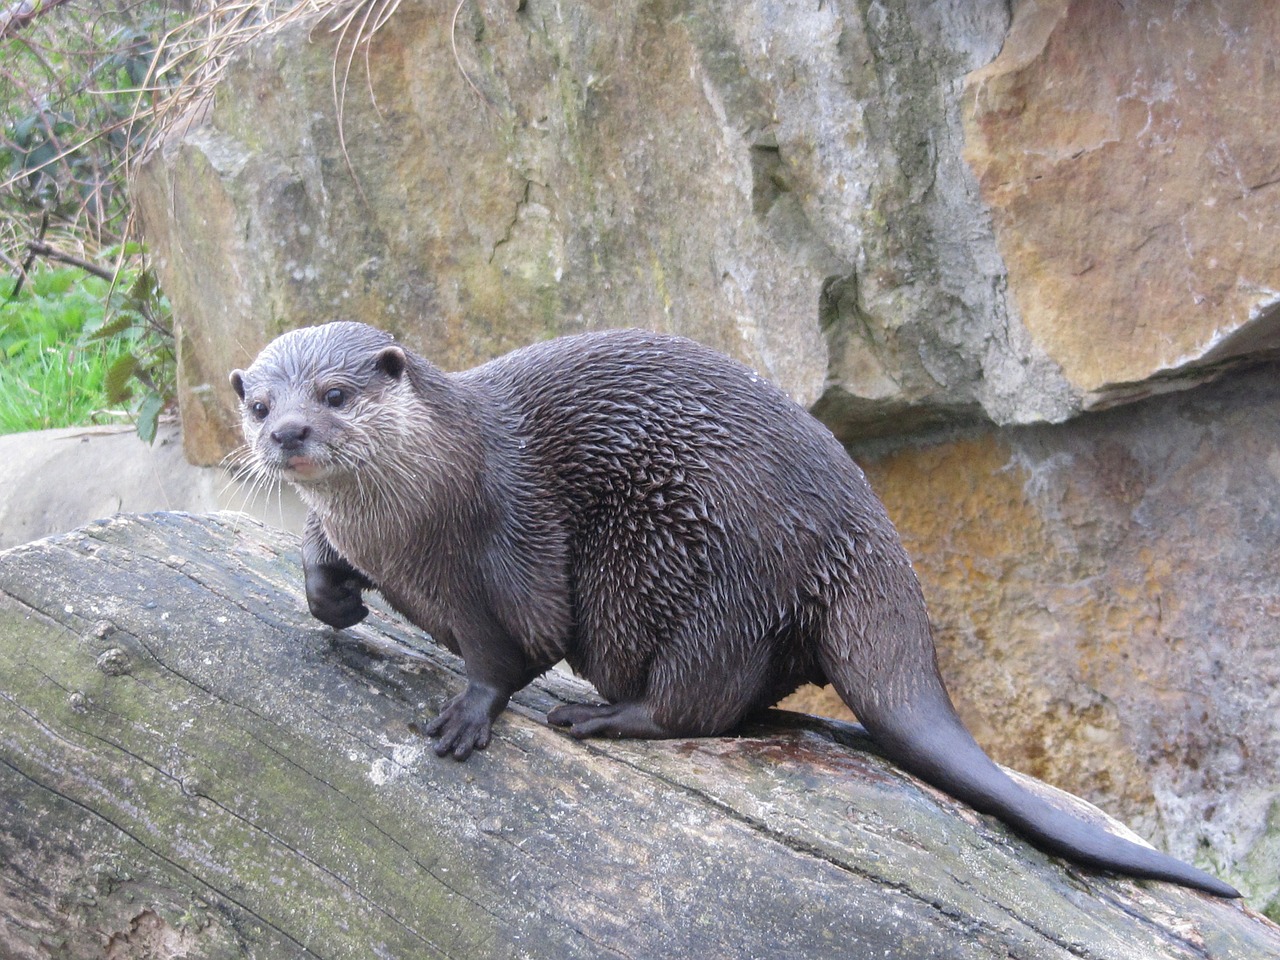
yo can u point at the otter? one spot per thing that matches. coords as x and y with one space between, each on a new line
687 537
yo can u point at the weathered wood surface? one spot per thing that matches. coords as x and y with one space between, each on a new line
191 766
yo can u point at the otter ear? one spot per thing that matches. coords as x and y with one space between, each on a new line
391 361
237 382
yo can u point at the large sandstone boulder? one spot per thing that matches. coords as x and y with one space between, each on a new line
785 185
893 212
911 215
1134 187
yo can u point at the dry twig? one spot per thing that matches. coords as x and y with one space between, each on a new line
20 14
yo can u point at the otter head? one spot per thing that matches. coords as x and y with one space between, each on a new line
313 399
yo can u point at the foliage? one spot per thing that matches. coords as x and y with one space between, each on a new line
77 349
139 325
85 87
41 385
75 91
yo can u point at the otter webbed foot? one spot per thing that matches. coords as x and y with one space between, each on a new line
608 720
465 723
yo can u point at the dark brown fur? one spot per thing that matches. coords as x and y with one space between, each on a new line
688 538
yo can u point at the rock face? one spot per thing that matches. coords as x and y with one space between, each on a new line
1105 595
889 209
913 216
1134 197
794 196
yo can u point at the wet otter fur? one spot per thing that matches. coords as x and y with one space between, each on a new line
689 539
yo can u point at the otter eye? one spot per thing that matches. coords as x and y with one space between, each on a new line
259 410
334 397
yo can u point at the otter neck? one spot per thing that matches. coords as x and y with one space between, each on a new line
428 480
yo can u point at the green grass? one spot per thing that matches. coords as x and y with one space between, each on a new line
51 373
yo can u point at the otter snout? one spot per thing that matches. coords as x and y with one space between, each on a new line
291 435
292 444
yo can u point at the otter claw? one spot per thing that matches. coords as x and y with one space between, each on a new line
465 723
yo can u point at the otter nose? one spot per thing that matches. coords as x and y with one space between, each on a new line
291 436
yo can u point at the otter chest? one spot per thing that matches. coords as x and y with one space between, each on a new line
404 568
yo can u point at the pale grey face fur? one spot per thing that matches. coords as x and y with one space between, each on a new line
309 401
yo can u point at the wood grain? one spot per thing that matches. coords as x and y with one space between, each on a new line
191 766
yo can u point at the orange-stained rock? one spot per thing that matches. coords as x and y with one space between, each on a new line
1106 599
911 214
1134 184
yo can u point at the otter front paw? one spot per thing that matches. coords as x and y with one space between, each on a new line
466 721
334 599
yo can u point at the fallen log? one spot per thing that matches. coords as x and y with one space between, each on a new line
192 766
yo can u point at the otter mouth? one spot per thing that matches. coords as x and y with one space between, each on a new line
300 468
306 466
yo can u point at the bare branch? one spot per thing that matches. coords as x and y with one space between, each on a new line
22 13
41 249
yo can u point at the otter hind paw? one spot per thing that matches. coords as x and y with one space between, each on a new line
607 720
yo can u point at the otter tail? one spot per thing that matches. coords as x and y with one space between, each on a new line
925 736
